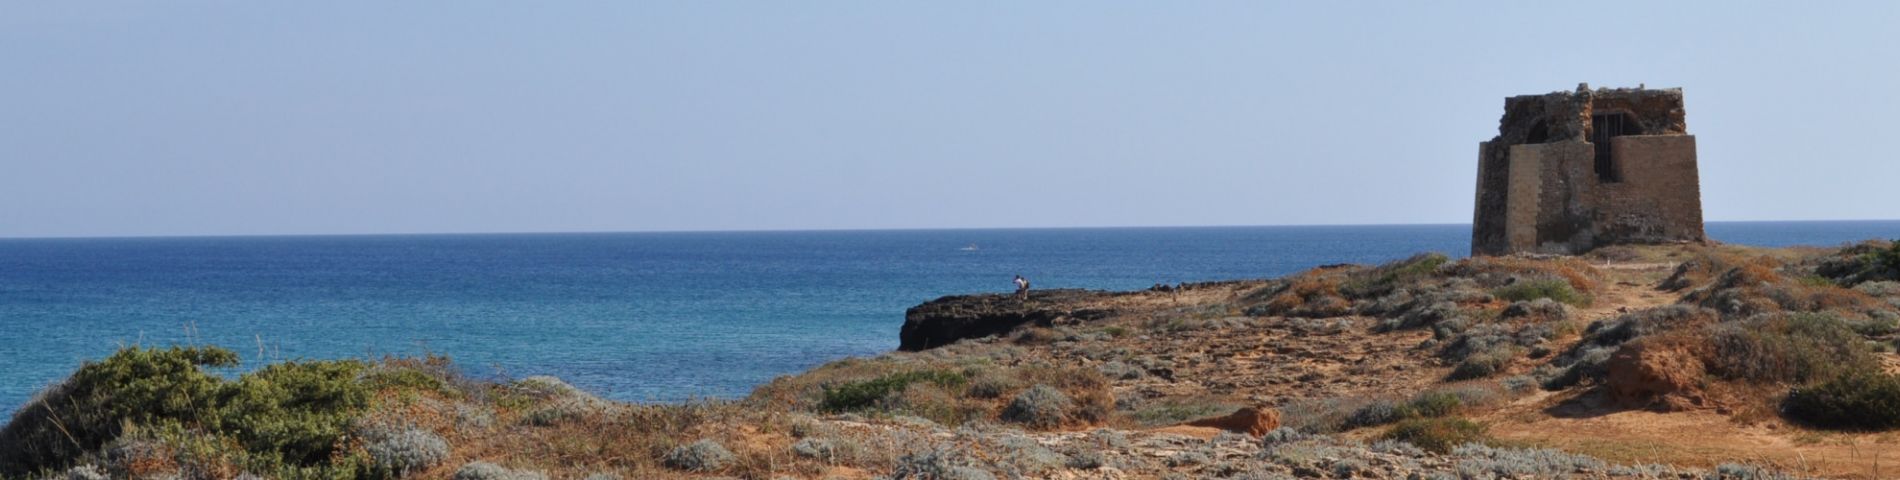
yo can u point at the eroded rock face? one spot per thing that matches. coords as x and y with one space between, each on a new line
946 320
1250 420
1657 373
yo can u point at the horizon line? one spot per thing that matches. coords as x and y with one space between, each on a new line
802 230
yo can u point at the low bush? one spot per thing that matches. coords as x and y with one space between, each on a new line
82 472
1314 294
1438 435
1435 403
1172 411
992 385
1121 371
1869 261
938 464
1495 272
828 450
489 471
1378 412
1859 400
1788 348
705 455
397 453
1432 404
1322 415
295 409
1586 361
1706 265
1480 351
1762 285
1543 308
866 394
1556 289
1040 406
1482 461
136 385
1023 457
1383 279
290 414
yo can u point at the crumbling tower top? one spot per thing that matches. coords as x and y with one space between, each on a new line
1569 171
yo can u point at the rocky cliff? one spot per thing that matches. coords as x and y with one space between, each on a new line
946 320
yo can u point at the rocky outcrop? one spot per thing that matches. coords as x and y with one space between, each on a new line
946 320
1662 373
1249 420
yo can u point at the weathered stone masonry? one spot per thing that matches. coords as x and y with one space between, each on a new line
1571 171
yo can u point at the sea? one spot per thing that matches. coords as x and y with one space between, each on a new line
644 317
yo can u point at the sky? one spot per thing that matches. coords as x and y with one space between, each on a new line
248 118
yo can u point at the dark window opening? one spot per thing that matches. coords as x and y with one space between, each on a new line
1602 129
1540 133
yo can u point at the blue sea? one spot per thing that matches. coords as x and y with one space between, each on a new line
631 316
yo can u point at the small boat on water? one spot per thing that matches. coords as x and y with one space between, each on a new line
970 248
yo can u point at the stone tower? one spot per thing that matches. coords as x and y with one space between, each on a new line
1571 171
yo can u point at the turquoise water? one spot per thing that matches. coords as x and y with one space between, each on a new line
632 316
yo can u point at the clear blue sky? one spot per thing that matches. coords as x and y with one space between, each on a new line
187 118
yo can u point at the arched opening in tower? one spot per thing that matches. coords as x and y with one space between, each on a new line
1603 127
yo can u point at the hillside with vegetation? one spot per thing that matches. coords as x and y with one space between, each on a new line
1682 361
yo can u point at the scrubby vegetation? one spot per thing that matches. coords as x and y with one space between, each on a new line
1853 400
1864 262
852 396
1437 434
286 417
1541 288
1037 395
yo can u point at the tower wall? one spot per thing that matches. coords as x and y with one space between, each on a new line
1571 171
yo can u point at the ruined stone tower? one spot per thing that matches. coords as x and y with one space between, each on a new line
1571 171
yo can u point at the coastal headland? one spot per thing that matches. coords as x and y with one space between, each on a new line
1660 361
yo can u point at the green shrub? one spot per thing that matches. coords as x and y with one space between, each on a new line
1869 261
1376 413
866 394
1480 366
135 385
1886 262
295 409
1384 278
1861 400
1040 406
404 379
1432 404
286 415
992 385
1531 289
705 455
1176 410
1436 434
1791 348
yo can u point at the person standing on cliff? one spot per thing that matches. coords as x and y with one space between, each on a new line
1022 287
